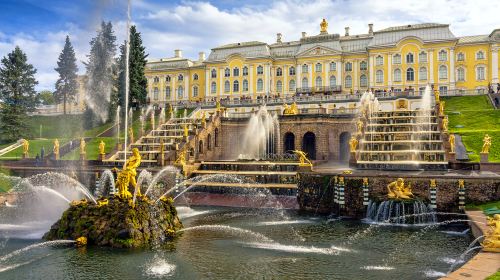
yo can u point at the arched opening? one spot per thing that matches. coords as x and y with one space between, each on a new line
209 142
200 147
191 153
289 143
344 146
309 145
216 137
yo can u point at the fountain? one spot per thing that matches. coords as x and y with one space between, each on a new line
261 135
117 125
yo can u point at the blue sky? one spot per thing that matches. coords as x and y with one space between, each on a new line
39 27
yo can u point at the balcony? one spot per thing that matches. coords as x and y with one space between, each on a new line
319 90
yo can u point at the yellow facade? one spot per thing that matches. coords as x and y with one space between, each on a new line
393 59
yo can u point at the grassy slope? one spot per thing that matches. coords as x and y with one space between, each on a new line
93 148
477 117
35 148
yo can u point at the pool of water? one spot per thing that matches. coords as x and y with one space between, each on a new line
233 243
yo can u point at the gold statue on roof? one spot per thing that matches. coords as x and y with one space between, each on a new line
323 26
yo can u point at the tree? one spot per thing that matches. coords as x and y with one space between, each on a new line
17 91
46 97
137 63
67 84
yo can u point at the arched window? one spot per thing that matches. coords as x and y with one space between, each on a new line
480 55
291 71
227 72
260 70
348 66
410 74
236 86
348 82
195 77
305 83
422 57
480 73
156 80
180 77
460 57
260 85
305 69
397 75
279 86
236 71
443 55
461 74
333 66
200 147
443 72
180 92
422 74
363 81
214 73
379 76
209 142
333 81
227 86
291 86
396 59
167 92
216 137
245 85
213 88
156 93
195 91
319 82
245 71
289 143
319 67
279 72
409 58
167 79
363 66
379 60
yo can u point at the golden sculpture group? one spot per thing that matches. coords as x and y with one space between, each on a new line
398 190
491 242
126 177
303 160
290 109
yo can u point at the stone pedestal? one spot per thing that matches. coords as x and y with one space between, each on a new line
25 156
82 156
102 157
484 157
452 157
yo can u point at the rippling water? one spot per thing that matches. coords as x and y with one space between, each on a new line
227 243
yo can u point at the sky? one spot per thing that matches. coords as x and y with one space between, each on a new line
39 27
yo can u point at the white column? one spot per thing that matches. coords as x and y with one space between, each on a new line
285 80
371 64
355 79
298 76
452 68
325 72
310 75
266 79
431 66
250 82
339 71
207 82
221 81
389 70
174 88
494 65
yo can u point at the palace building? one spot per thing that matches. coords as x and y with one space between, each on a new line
394 59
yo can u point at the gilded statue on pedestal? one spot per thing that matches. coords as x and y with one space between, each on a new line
359 126
102 145
290 110
26 148
186 131
56 149
218 107
441 108
323 26
486 144
353 144
126 177
445 123
83 145
303 160
492 241
451 140
436 95
398 190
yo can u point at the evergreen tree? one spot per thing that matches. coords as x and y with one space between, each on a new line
17 92
120 81
137 63
67 84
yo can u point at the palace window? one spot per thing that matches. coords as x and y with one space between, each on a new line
480 73
167 92
305 69
348 82
279 72
227 72
156 91
443 55
333 81
291 85
213 88
443 89
379 76
245 85
379 60
397 75
195 77
292 71
260 70
422 57
180 77
236 86
214 73
319 82
422 74
363 66
260 85
460 57
363 81
410 74
443 72
227 86
333 66
396 59
180 92
409 58
195 91
236 72
156 80
305 83
348 67
279 86
245 71
461 74
319 67
167 79
480 55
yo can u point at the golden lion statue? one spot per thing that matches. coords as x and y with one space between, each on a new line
398 190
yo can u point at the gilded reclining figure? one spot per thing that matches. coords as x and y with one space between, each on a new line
398 190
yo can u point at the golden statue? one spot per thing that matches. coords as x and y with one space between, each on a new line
486 144
26 147
445 123
203 120
492 241
398 190
433 183
365 181
451 140
217 106
359 125
436 95
461 184
81 241
286 111
131 135
353 144
303 160
294 109
56 149
181 162
102 145
126 177
82 146
186 131
441 108
323 26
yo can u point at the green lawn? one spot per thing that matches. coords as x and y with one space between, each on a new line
495 276
56 126
483 206
92 148
472 117
5 185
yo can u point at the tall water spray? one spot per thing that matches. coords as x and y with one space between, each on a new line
127 82
117 124
162 117
261 134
